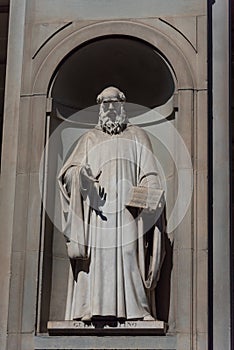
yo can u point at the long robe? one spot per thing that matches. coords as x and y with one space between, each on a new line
115 252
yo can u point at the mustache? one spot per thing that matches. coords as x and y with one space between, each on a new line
105 114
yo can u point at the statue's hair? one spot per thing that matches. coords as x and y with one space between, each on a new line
111 91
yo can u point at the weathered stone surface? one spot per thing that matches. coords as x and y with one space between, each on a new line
221 179
9 158
113 342
24 141
186 26
48 10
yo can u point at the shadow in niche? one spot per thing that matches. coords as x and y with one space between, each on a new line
164 283
111 61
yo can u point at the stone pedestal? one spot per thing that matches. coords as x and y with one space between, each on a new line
107 327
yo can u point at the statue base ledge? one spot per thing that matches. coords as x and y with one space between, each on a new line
106 328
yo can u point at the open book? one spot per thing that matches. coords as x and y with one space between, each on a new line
146 198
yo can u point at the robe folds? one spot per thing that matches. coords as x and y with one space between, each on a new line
115 252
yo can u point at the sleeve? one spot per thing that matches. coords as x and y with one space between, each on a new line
151 226
72 206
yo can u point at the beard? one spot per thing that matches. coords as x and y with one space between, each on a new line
110 126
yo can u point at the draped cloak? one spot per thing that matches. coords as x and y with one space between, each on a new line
116 253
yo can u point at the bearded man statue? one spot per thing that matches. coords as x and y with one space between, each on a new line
115 248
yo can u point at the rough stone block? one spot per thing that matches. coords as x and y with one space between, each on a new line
16 292
184 292
59 288
30 292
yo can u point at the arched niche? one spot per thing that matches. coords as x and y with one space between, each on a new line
50 56
158 63
148 81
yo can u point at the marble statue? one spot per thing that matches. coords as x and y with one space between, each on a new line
115 249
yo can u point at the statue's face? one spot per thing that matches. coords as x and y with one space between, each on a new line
112 116
111 108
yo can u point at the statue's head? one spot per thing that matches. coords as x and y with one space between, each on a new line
111 94
112 115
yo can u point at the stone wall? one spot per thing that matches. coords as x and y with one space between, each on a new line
42 33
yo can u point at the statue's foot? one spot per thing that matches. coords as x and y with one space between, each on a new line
149 318
86 318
